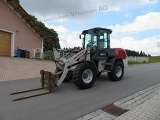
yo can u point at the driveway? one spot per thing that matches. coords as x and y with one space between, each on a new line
12 68
67 102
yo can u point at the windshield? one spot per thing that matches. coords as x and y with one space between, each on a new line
90 41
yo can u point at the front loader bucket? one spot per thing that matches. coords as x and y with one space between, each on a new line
45 80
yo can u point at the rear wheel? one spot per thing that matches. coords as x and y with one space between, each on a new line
117 73
84 75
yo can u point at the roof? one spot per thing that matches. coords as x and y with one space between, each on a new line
98 29
16 7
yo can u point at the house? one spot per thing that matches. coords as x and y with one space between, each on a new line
18 30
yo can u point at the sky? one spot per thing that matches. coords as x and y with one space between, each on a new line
135 23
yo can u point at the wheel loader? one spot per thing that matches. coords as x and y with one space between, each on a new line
84 65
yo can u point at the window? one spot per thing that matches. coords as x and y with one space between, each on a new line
103 41
87 39
90 41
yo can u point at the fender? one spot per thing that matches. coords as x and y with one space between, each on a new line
112 60
84 61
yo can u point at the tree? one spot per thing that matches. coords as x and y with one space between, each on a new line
52 34
141 53
135 53
17 1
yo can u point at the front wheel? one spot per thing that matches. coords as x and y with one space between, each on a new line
84 75
117 73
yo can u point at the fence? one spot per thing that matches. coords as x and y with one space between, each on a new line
37 53
48 55
138 59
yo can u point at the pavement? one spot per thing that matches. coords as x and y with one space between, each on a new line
142 105
14 68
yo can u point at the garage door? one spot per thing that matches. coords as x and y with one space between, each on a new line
5 43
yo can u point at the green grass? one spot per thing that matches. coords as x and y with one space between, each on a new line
137 63
154 59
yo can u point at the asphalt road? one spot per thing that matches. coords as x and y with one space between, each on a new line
67 102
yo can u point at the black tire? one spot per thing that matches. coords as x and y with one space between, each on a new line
98 74
84 75
117 73
68 77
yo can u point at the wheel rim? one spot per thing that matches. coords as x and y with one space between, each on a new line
118 71
87 76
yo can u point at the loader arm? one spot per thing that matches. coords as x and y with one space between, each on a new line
56 54
82 55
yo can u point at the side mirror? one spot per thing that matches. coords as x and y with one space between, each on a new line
81 36
158 44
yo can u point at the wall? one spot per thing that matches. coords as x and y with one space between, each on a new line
23 36
138 59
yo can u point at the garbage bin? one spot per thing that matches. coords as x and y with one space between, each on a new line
23 53
27 54
19 53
